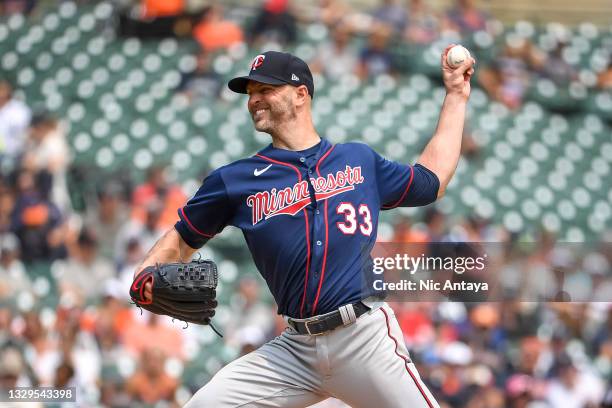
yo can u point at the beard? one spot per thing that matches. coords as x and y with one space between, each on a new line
275 116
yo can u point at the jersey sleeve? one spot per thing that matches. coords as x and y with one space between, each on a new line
206 213
401 185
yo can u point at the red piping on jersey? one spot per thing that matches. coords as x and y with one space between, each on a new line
416 382
316 301
307 229
404 194
193 227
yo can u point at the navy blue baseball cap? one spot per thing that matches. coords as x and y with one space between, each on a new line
275 68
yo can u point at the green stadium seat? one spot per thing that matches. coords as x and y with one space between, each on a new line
100 128
120 143
17 24
551 221
67 11
592 181
116 62
51 22
530 209
513 221
105 158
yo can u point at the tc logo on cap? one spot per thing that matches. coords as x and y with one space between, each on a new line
257 62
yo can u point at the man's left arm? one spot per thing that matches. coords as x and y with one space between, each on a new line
441 154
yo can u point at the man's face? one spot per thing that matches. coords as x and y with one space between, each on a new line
270 105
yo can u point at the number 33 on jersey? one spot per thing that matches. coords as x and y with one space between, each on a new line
309 217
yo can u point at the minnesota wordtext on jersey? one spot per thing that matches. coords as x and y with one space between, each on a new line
293 199
431 285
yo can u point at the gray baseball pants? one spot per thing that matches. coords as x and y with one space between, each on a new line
365 364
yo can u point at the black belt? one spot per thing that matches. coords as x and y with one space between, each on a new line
318 325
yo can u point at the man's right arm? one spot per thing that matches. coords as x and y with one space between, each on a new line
169 248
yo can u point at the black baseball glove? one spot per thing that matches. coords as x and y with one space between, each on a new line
183 291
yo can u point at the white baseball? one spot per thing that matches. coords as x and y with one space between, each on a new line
457 55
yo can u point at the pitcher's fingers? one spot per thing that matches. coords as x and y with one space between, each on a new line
445 53
148 291
465 66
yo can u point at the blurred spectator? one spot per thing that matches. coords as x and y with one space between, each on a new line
375 58
213 32
602 340
168 338
416 323
391 14
144 234
17 6
108 339
203 84
555 67
133 257
489 397
470 229
551 279
332 12
274 23
597 266
113 315
83 267
12 369
37 222
14 121
253 319
436 224
78 351
11 267
533 357
6 333
7 204
466 18
404 232
40 349
64 376
154 19
470 149
113 393
150 383
453 387
509 77
46 150
162 8
423 25
336 58
522 389
574 388
604 79
106 217
157 188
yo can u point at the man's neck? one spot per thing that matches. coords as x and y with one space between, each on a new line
295 137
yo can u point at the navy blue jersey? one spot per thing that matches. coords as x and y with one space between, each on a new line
309 218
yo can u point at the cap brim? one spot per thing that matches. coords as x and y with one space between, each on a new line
239 84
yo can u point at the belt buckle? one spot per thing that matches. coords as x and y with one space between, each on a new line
308 328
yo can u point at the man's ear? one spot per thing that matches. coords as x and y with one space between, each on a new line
301 94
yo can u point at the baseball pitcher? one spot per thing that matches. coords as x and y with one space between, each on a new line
309 211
